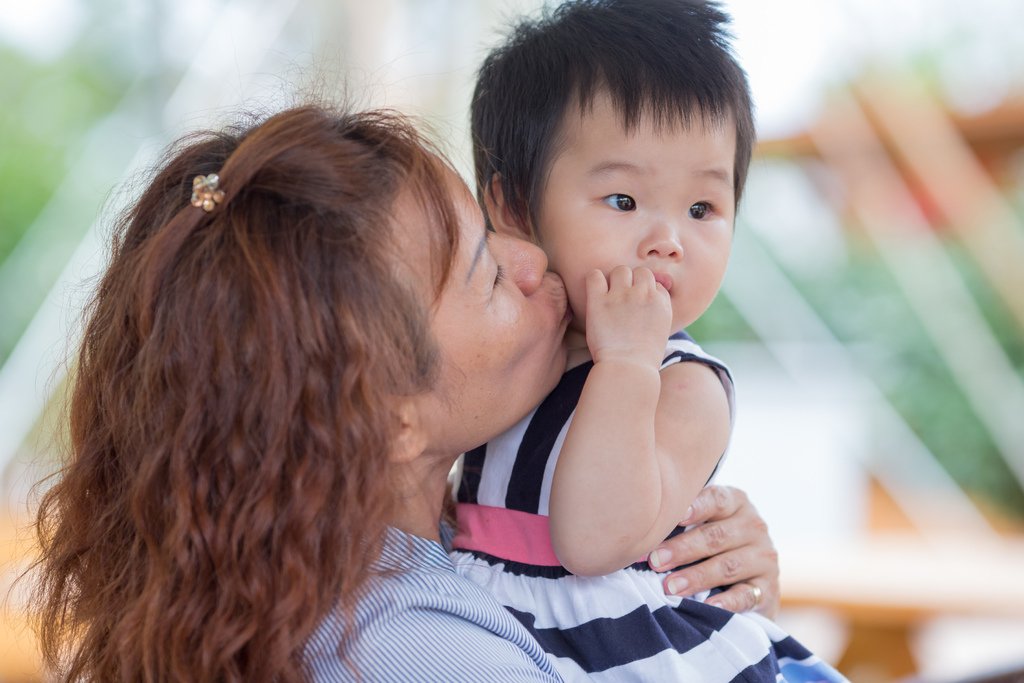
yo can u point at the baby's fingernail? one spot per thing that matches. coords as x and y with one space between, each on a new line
659 557
677 585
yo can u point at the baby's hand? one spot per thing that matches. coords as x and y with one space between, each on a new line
629 316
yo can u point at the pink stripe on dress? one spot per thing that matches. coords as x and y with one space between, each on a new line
508 534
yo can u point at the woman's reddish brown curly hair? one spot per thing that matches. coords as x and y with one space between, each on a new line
231 412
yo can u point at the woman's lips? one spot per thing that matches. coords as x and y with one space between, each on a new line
558 294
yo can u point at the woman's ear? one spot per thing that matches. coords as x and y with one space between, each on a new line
501 217
411 439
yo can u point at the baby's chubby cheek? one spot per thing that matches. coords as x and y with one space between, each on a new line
578 305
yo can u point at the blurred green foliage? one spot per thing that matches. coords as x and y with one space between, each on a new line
54 106
872 314
49 107
862 304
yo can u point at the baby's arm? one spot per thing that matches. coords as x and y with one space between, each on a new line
642 443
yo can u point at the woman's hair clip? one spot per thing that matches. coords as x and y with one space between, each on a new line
205 194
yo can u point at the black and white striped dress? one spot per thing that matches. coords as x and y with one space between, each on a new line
618 627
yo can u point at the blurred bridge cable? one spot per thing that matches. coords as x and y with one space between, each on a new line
926 140
886 209
925 492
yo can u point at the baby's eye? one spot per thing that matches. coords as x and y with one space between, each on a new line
622 202
699 210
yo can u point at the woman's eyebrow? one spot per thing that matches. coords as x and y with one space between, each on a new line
476 256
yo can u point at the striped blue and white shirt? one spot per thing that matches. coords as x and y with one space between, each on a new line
420 621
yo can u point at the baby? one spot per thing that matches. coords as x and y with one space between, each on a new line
617 134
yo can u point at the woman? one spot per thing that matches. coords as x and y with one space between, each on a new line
279 368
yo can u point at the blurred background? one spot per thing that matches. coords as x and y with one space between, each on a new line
873 312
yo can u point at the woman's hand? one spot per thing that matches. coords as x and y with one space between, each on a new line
731 548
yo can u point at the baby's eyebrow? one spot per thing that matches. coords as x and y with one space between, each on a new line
609 167
476 256
715 173
719 174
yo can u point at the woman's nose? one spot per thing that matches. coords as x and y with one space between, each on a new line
524 262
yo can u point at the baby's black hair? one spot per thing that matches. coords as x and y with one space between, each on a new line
669 59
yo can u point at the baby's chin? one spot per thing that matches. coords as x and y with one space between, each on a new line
683 319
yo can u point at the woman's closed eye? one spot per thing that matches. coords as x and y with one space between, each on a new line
620 202
499 275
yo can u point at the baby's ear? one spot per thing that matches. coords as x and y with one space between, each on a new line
503 220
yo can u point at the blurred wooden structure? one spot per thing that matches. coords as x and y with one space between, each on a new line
19 657
887 586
